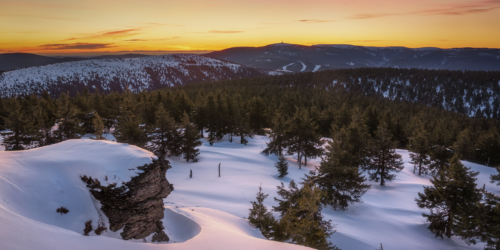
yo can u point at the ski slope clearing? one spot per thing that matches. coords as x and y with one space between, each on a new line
203 212
34 183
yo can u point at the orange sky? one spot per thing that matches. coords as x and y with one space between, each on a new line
75 27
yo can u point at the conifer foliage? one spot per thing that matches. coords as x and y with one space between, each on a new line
190 140
261 217
163 136
420 150
451 199
339 176
282 166
301 220
384 159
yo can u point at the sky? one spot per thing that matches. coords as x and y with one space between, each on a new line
91 27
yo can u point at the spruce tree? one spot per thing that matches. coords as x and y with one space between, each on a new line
163 135
486 223
339 176
190 140
23 133
46 118
303 139
277 135
463 144
261 217
98 126
439 158
384 159
242 127
69 125
129 128
451 198
282 166
419 151
302 222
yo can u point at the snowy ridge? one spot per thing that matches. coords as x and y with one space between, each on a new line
145 73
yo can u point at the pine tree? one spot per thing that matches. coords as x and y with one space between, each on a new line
98 126
23 133
260 217
486 223
303 139
282 166
420 149
277 135
384 158
463 144
45 119
439 160
450 199
302 222
242 127
68 126
190 140
338 175
163 135
356 141
129 128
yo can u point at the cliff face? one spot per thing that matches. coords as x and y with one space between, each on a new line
136 206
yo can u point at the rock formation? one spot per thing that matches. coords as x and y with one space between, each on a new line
136 206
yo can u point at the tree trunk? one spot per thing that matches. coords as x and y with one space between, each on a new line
305 161
299 159
448 224
420 165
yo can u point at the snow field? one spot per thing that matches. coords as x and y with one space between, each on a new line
203 212
34 183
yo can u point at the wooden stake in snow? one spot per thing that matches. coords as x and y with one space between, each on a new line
219 169
190 173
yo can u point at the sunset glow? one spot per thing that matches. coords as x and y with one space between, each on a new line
56 27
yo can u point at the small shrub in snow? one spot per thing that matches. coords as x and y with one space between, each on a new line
88 228
282 167
62 210
100 228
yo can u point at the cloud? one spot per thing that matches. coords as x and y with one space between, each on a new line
457 10
225 31
365 41
37 16
366 16
118 33
136 40
165 24
167 51
71 46
314 21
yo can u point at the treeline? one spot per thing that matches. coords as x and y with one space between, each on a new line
242 108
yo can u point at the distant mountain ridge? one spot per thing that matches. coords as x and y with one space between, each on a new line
10 61
137 74
299 58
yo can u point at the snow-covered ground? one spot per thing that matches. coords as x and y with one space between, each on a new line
203 212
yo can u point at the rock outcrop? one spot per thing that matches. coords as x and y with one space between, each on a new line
136 206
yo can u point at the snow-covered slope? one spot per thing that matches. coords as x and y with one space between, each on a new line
34 183
349 56
203 212
145 73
